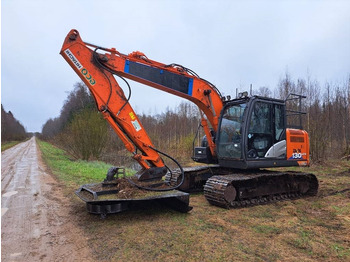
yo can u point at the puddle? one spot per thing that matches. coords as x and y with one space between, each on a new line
15 254
3 211
36 233
8 194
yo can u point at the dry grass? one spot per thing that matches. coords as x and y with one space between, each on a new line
310 229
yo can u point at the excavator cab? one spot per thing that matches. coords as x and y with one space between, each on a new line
252 133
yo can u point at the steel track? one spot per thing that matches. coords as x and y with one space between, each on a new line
229 188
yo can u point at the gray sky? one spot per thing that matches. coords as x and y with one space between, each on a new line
230 43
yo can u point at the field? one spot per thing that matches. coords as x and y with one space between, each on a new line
311 229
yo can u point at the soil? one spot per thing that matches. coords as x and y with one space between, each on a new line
122 189
37 223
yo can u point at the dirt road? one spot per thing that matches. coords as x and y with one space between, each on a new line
35 220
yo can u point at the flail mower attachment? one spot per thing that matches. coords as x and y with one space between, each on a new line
118 194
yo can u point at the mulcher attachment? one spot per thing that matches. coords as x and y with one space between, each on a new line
113 196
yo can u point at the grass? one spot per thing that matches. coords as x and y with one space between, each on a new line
73 173
7 145
310 229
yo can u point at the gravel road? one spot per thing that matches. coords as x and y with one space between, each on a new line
36 224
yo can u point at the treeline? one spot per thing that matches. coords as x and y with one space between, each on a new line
82 131
327 118
173 131
11 128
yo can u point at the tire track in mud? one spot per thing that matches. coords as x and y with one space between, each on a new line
36 224
9 162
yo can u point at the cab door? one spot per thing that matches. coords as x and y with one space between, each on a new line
230 140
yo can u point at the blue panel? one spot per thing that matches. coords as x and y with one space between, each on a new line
170 80
190 86
126 67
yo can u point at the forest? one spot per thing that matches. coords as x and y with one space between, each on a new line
81 130
11 128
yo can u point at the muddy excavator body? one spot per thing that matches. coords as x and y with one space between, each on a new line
243 137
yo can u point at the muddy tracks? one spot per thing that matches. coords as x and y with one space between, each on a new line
36 223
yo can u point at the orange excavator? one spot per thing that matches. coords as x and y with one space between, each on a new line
242 137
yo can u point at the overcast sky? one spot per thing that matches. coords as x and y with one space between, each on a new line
230 43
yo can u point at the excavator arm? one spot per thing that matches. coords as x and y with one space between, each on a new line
96 66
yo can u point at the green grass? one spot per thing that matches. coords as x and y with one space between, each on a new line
71 172
8 145
265 229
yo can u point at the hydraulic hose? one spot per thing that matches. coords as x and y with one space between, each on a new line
162 189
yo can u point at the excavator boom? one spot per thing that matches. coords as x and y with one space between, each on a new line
97 69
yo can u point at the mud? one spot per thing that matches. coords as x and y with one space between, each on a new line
36 219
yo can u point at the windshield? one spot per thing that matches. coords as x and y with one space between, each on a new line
229 144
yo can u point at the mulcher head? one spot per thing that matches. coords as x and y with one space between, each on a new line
108 198
118 193
106 201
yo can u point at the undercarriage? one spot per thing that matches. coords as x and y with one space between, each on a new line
231 188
